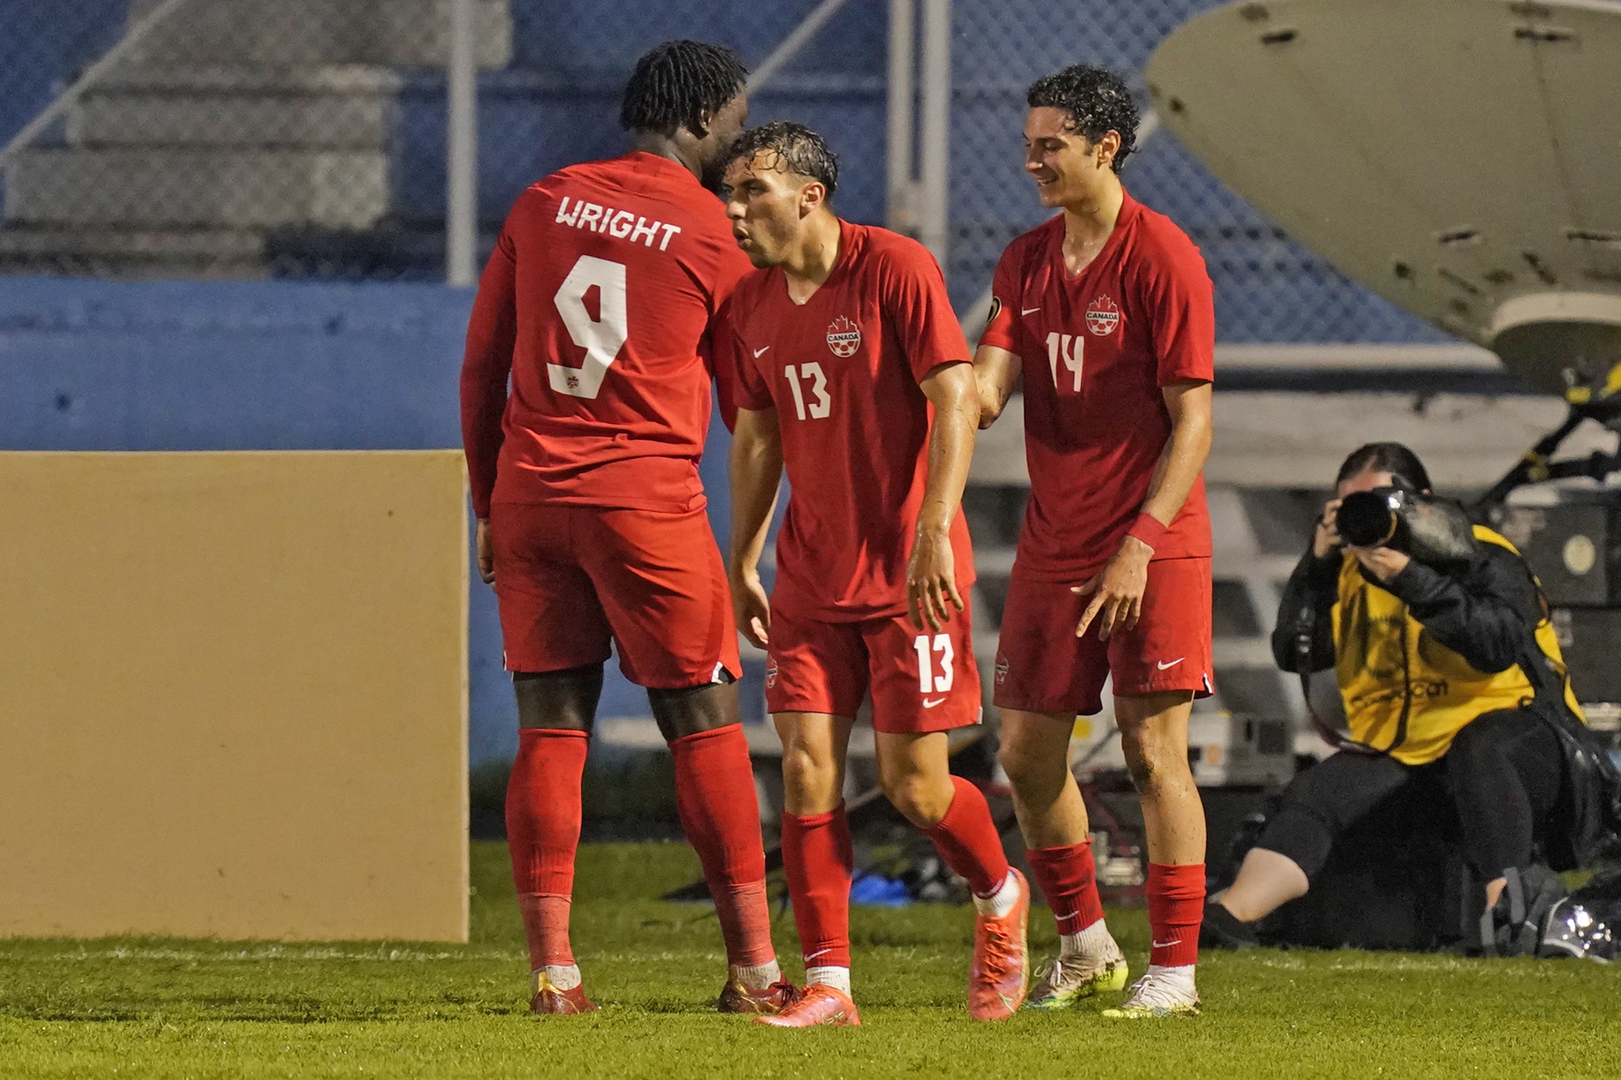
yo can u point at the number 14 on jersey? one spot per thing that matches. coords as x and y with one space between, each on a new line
1067 348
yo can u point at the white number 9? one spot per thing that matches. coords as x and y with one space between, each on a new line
600 338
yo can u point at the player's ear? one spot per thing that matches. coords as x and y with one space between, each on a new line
1107 146
701 124
811 196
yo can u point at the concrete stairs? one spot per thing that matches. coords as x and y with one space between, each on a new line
232 125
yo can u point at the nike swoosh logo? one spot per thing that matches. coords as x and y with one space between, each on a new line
1173 663
757 352
931 703
1071 915
1167 944
821 952
1029 310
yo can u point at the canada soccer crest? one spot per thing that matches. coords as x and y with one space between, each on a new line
843 336
1102 316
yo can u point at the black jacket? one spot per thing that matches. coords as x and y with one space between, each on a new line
1481 613
1486 613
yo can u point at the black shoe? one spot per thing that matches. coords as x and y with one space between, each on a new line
1224 930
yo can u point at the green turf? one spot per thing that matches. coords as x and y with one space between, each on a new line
132 1007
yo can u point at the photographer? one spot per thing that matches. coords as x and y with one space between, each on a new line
1428 658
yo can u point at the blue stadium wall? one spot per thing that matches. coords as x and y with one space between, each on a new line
88 365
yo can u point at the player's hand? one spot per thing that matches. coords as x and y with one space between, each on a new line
486 554
1117 600
1382 562
931 581
1326 540
752 608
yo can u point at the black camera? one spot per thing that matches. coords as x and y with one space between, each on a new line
1429 528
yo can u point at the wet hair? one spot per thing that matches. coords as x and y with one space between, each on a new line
799 150
1391 457
677 83
1097 101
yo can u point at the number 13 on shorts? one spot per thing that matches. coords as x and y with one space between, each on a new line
928 680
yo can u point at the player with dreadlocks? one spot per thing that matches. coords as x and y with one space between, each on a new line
597 304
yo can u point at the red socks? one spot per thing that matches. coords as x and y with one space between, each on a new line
817 860
714 795
543 831
967 840
1175 910
1067 877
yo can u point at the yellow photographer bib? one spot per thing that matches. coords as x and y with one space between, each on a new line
1405 692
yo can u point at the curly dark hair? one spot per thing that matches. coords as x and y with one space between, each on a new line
1097 101
799 150
676 83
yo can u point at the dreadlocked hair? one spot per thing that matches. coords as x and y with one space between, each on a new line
677 83
799 150
1097 101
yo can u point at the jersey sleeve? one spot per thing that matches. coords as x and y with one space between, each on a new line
492 333
916 302
718 345
720 353
1001 330
1183 321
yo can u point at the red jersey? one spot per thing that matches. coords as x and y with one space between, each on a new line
1097 349
597 301
842 371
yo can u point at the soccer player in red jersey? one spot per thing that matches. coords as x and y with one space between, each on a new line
853 373
597 303
1106 313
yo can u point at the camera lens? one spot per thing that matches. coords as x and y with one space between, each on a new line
1365 519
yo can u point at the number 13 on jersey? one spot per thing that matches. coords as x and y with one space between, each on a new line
815 388
932 679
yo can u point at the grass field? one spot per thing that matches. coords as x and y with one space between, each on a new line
136 1007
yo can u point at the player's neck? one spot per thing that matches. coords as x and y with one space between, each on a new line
811 259
1089 222
651 142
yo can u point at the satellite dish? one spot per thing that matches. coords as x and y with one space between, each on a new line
1462 158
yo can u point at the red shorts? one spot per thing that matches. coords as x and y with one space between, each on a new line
570 578
1041 666
920 682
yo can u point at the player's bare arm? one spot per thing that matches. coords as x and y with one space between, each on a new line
485 553
1117 591
931 579
486 366
996 373
756 465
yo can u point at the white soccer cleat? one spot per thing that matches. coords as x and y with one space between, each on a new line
1163 992
1068 979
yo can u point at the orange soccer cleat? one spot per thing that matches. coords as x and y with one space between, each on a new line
550 1001
1000 976
818 1006
773 999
